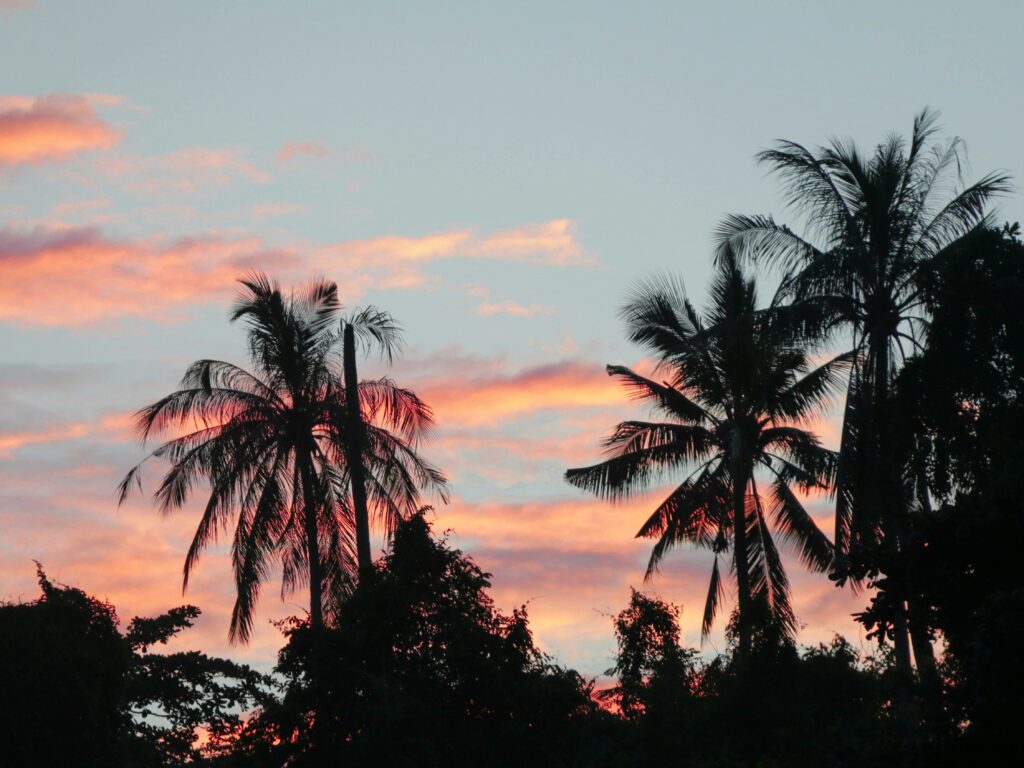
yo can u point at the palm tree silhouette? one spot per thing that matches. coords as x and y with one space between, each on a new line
736 392
273 446
880 223
374 328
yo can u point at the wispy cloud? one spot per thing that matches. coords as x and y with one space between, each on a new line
55 275
291 149
513 308
181 171
50 128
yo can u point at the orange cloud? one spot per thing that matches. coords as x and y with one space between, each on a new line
573 561
114 425
550 243
50 128
493 398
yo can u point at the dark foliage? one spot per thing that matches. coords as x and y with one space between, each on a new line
75 691
421 670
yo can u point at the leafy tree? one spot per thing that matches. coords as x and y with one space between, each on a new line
76 691
875 226
421 670
738 389
652 669
962 403
273 446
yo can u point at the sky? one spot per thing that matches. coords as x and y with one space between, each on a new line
496 177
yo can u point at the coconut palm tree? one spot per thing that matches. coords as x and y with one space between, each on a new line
272 445
735 393
875 229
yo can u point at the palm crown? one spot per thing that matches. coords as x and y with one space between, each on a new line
876 228
271 445
737 389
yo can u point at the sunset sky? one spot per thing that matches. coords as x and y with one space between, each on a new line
497 179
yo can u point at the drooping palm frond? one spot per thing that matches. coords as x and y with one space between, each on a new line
387 404
377 330
716 591
738 389
798 528
693 513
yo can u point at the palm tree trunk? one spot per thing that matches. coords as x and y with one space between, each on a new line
316 577
886 492
354 449
739 517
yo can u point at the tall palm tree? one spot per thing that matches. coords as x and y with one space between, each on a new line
374 328
736 393
272 446
875 228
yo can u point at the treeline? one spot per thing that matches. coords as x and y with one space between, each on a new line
904 287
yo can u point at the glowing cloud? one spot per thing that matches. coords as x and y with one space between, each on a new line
50 128
77 276
491 399
71 276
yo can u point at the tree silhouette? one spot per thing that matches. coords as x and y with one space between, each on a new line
374 328
737 390
273 446
421 669
875 226
77 691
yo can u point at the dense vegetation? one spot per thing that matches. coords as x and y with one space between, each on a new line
914 304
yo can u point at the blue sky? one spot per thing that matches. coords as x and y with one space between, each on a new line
563 149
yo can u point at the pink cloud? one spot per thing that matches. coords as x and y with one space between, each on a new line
50 128
292 149
58 275
116 426
77 276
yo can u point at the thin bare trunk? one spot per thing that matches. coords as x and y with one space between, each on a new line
316 579
354 450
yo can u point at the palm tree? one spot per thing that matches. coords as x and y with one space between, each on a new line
272 446
372 327
736 391
876 227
